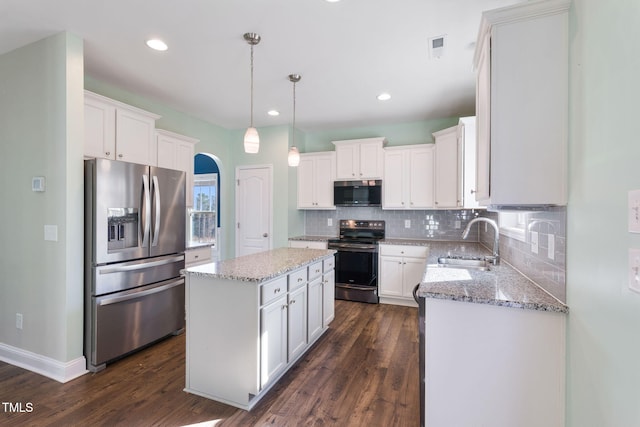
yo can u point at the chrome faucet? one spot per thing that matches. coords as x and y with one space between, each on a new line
496 241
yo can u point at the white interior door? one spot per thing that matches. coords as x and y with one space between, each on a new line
253 209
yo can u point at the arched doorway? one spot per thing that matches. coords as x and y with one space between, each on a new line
204 221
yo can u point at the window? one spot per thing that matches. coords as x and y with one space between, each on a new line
513 224
204 215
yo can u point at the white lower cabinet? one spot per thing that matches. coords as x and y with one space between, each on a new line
505 366
401 267
297 330
243 336
273 345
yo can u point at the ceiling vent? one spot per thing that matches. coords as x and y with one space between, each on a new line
437 46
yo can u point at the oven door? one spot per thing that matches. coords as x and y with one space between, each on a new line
357 276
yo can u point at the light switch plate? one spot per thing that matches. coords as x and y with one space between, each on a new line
634 211
534 242
329 222
634 270
407 223
51 233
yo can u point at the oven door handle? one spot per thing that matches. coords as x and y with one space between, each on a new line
357 287
369 248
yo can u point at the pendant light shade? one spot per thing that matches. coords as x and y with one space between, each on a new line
251 137
294 155
251 141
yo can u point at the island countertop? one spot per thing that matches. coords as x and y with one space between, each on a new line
261 266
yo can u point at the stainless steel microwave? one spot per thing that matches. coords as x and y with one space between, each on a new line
357 193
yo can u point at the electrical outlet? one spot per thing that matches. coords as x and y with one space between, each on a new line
329 222
407 223
456 224
51 233
634 270
551 247
534 242
634 211
18 320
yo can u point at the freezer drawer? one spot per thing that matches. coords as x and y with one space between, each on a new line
126 321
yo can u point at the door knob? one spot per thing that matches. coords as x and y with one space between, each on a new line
265 235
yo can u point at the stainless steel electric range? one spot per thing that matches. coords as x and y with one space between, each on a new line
357 259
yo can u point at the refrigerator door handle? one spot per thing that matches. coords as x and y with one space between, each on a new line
137 265
133 295
145 211
156 205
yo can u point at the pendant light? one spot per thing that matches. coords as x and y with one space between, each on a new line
294 155
251 137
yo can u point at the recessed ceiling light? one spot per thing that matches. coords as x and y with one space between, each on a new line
273 113
384 97
157 44
332 1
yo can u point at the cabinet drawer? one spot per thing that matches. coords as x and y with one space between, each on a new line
197 256
404 250
297 278
328 264
272 290
315 270
308 244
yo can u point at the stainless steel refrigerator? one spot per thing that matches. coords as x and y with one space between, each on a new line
134 251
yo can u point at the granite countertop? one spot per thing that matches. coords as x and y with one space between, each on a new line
502 285
261 266
306 238
197 245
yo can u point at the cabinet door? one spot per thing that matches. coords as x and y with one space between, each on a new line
420 170
347 161
135 137
413 271
370 163
306 183
297 331
394 180
315 309
390 280
447 169
324 176
328 296
273 339
99 129
166 152
483 123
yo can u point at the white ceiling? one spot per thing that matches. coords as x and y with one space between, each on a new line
347 53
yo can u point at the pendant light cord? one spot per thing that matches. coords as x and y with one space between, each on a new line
293 133
251 121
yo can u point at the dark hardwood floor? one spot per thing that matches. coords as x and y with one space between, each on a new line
362 372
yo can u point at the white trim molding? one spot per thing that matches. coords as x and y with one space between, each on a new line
43 365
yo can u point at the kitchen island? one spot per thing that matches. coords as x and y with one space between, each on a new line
249 319
492 345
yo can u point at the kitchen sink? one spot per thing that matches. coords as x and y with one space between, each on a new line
459 262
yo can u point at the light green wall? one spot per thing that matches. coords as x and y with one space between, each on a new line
41 135
274 147
396 134
603 382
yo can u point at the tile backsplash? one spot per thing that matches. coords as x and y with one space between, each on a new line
448 225
429 224
520 251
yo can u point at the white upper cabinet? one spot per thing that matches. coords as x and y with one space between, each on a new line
448 168
467 138
175 151
408 177
316 173
522 104
117 131
359 158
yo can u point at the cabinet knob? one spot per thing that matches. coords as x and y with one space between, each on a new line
472 191
276 290
108 153
299 279
197 256
265 235
292 301
120 155
284 307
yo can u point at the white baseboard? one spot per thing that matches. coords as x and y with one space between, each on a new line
43 365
